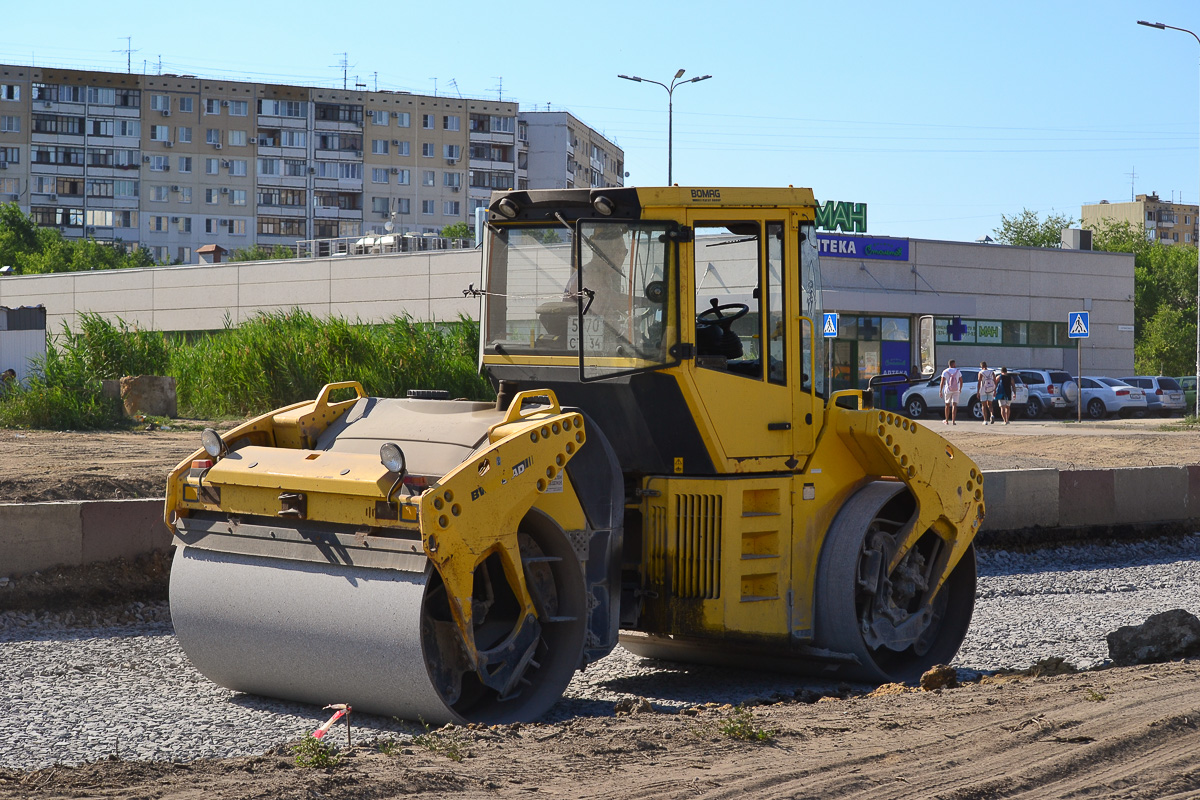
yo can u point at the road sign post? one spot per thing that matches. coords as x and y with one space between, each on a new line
1078 327
829 330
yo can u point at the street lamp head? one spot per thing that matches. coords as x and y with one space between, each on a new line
679 75
701 78
633 78
1158 25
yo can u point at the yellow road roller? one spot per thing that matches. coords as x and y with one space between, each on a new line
665 467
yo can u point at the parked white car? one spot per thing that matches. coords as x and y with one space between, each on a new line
1163 395
1104 396
925 396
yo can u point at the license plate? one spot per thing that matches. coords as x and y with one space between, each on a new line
593 333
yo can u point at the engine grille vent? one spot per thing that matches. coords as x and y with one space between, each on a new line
696 560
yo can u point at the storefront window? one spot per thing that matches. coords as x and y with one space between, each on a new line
988 332
895 329
1041 334
1014 333
868 329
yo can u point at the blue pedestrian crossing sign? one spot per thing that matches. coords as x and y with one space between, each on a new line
829 326
1077 324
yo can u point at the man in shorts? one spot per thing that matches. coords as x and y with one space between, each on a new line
987 392
951 388
1004 393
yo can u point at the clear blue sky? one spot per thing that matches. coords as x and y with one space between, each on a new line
941 116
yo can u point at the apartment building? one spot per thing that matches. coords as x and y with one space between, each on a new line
564 153
1166 222
174 162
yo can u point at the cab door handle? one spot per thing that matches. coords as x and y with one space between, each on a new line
779 426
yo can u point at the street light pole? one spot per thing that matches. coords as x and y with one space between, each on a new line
675 82
1160 26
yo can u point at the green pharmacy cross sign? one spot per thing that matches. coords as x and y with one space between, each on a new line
843 216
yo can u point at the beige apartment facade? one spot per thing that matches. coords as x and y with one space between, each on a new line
1166 222
174 162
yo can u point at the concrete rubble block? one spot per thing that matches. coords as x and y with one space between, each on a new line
36 536
1150 494
1086 497
1163 637
1018 499
149 394
122 528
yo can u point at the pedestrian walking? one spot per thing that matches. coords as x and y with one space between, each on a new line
950 388
1004 393
987 393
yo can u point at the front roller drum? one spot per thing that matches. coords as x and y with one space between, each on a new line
381 640
892 623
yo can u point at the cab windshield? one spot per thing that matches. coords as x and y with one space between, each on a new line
598 291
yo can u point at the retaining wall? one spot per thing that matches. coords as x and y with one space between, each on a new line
1022 506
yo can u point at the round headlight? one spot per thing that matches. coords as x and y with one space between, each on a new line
603 206
508 208
392 457
211 441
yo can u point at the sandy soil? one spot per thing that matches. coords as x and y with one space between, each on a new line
1114 733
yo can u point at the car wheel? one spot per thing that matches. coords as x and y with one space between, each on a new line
976 408
1034 408
915 406
1096 409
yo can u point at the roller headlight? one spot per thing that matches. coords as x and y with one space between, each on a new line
212 442
392 457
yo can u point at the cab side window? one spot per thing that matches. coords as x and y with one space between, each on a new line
729 297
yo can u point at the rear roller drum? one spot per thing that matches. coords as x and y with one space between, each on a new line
383 640
891 624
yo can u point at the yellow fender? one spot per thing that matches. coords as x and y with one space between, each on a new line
475 510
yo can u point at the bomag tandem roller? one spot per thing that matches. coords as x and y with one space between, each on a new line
664 466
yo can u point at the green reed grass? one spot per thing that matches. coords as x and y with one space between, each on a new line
269 361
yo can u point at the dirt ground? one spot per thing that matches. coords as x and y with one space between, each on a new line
1115 733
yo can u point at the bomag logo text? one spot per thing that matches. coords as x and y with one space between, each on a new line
706 194
524 465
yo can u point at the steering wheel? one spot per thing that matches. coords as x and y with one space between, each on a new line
717 314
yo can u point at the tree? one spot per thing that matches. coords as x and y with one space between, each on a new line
260 253
1027 229
459 230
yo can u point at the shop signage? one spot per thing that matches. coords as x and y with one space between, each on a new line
843 216
873 248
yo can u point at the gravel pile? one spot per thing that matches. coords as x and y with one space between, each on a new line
79 687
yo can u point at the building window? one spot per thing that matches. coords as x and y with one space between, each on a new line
403 119
185 105
293 138
184 225
10 124
379 205
185 194
212 136
338 112
99 188
211 196
452 151
159 224
451 208
402 149
403 177
429 178
212 106
427 149
160 133
184 135
427 207
237 197
450 122
10 91
283 108
160 163
125 189
238 108
210 225
268 166
185 163
378 117
185 253
427 121
159 194
237 138
403 206
379 147
211 165
379 175
10 155
99 219
160 102
452 179
295 167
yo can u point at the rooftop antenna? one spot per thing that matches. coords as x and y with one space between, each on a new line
1132 178
454 85
375 75
434 86
345 65
128 51
500 88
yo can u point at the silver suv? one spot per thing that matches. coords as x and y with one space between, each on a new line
1049 390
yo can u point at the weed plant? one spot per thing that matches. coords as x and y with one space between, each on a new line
740 725
316 754
269 361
